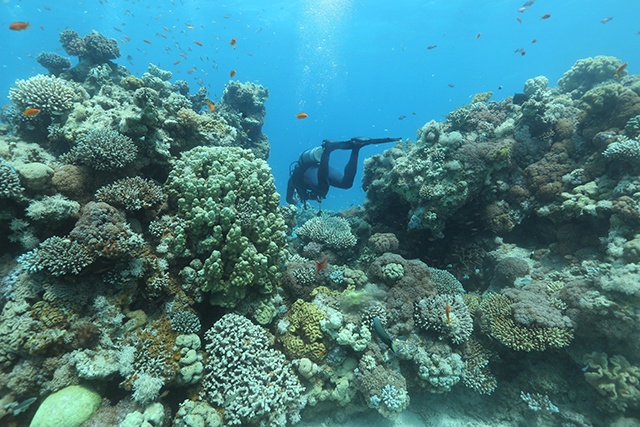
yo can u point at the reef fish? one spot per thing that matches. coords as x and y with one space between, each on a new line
432 46
607 19
233 42
31 112
19 26
232 73
211 106
546 16
620 69
321 265
447 311
382 334
302 115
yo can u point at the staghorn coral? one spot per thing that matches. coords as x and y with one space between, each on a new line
332 232
54 208
133 194
245 376
104 150
53 62
50 94
498 322
229 203
476 374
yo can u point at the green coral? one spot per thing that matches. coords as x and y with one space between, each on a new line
229 204
304 337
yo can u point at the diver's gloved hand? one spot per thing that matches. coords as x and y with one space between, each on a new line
362 140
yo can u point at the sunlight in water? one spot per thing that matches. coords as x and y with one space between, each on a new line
322 29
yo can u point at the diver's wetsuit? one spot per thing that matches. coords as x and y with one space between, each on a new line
312 176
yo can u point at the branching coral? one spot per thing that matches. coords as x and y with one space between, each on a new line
454 323
498 322
333 232
9 180
104 150
133 194
246 377
50 94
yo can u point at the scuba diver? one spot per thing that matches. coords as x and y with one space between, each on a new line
312 176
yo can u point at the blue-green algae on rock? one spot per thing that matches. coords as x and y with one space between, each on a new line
69 407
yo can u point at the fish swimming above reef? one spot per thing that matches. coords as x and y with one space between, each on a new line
19 26
520 98
607 19
378 328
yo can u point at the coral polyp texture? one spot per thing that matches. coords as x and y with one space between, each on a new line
229 204
104 150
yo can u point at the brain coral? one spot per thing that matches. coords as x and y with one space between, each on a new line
615 378
246 377
50 94
104 150
228 201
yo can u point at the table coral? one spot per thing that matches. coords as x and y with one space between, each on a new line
133 194
250 380
229 203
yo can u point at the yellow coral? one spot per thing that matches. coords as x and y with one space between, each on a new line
497 321
304 337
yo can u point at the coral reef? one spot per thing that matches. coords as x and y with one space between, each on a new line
49 94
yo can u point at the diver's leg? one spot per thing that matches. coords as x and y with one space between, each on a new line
345 180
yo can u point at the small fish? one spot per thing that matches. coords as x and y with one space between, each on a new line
605 20
233 42
523 9
620 69
146 41
478 35
499 87
546 16
189 26
19 26
523 53
382 334
199 43
31 112
212 107
534 40
321 265
519 20
402 117
432 46
451 85
302 115
232 73
191 71
518 50
447 311
176 62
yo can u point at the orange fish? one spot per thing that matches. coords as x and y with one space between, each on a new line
301 115
176 62
233 42
620 69
146 41
321 265
478 35
546 16
198 43
534 40
212 107
447 311
191 71
19 26
232 73
31 112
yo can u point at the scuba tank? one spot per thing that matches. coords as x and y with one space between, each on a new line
311 156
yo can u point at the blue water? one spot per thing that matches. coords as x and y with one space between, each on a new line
355 66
